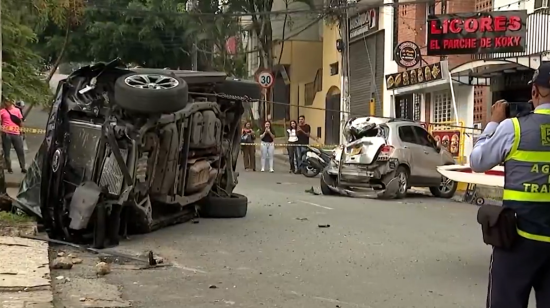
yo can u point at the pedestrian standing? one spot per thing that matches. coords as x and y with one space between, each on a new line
292 146
267 146
12 120
303 132
519 231
249 149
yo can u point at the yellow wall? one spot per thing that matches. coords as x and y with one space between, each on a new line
331 84
304 58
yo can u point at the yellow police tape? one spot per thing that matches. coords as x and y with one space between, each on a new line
30 130
27 130
318 145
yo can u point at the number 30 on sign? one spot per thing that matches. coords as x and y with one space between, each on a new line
265 79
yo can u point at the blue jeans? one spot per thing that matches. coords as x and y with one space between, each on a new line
300 150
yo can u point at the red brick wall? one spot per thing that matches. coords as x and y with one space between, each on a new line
412 27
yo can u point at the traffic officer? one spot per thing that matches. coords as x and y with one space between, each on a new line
523 144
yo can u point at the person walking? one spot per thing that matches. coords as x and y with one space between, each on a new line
267 146
521 255
303 132
12 120
292 146
249 150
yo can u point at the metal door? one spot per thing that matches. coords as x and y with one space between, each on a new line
404 106
366 74
332 119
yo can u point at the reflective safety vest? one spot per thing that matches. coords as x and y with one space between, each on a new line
527 175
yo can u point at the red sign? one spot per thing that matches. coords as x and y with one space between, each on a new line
480 32
450 139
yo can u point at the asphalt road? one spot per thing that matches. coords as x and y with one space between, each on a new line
419 252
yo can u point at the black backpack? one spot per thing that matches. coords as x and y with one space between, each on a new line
15 119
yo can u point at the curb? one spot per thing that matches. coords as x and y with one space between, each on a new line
30 284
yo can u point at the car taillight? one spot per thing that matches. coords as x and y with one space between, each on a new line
386 149
385 152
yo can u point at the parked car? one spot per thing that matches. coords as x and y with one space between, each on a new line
387 156
132 150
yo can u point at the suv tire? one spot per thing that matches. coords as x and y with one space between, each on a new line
448 192
402 174
235 206
163 93
325 189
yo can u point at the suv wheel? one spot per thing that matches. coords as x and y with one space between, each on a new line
446 189
151 93
402 175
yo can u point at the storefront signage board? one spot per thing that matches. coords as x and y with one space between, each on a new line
414 76
407 54
477 32
363 22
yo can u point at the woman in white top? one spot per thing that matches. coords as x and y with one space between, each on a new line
291 149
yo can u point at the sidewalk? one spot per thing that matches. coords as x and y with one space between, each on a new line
24 274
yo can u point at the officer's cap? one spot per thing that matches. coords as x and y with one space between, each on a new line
541 77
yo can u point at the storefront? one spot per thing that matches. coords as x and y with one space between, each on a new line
366 52
424 93
504 59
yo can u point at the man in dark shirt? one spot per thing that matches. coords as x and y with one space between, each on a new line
303 133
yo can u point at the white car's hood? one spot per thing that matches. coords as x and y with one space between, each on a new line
464 174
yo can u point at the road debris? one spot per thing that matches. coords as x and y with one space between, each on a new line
212 286
312 191
324 226
102 269
301 219
62 263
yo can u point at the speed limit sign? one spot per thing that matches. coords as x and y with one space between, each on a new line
265 79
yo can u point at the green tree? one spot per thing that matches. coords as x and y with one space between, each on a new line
20 64
145 33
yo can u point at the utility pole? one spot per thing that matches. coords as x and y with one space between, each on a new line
344 80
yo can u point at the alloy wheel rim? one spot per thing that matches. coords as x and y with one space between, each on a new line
446 185
151 81
402 182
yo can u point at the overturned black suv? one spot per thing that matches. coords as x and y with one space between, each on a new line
132 150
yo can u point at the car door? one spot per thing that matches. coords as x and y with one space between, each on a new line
431 156
410 144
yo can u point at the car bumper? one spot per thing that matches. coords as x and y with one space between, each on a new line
362 177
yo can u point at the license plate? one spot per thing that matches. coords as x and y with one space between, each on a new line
369 174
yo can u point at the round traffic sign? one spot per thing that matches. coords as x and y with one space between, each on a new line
265 79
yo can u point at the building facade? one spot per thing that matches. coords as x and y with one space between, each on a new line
366 62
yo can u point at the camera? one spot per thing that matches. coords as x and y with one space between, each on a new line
518 109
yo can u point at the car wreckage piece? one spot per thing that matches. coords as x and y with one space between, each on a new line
132 150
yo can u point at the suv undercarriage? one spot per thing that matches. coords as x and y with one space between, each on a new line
134 150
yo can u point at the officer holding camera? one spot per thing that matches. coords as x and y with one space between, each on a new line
519 231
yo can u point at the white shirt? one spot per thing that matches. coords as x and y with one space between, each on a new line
292 135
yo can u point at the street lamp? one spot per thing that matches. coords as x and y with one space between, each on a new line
190 6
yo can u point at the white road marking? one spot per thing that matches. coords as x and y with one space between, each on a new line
317 205
331 300
189 269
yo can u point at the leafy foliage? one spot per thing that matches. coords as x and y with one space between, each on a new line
20 75
147 33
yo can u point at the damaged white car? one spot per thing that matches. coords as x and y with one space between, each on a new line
384 158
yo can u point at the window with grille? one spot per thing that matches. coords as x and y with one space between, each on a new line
442 107
541 4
